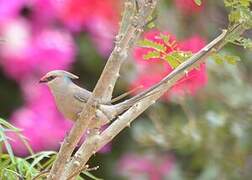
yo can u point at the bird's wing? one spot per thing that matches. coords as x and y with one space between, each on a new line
82 95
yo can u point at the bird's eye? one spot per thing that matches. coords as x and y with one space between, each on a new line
51 78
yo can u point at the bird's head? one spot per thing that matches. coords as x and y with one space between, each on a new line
55 75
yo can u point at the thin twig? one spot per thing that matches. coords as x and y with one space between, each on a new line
41 174
105 85
126 94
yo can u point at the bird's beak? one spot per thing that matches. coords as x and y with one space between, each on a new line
43 80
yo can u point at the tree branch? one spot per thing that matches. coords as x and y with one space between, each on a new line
128 34
70 142
131 27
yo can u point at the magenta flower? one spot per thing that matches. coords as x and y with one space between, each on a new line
102 33
15 52
99 18
25 54
150 167
77 13
10 9
188 6
153 70
41 13
53 49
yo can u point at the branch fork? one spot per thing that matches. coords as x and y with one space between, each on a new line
130 29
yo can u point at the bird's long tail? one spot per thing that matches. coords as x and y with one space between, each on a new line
125 105
112 111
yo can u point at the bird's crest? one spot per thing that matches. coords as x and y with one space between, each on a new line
70 75
62 73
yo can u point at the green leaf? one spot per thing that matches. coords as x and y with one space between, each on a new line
25 169
165 38
231 59
16 175
7 144
198 2
88 174
245 3
172 60
151 54
8 125
246 43
5 160
218 59
151 23
16 130
49 162
151 44
40 156
176 58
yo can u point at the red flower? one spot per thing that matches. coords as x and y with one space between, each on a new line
153 70
188 6
99 17
83 11
24 50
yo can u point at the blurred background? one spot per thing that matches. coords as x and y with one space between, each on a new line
201 129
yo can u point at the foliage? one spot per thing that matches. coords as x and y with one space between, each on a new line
33 167
230 59
160 50
240 14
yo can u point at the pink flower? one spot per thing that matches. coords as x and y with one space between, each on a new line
153 70
44 131
188 6
42 124
25 54
42 12
10 9
102 33
99 18
53 49
79 12
15 52
135 166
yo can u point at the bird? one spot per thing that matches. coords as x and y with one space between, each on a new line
71 98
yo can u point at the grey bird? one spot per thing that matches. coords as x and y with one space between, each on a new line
70 98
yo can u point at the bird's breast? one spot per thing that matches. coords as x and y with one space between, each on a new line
69 107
